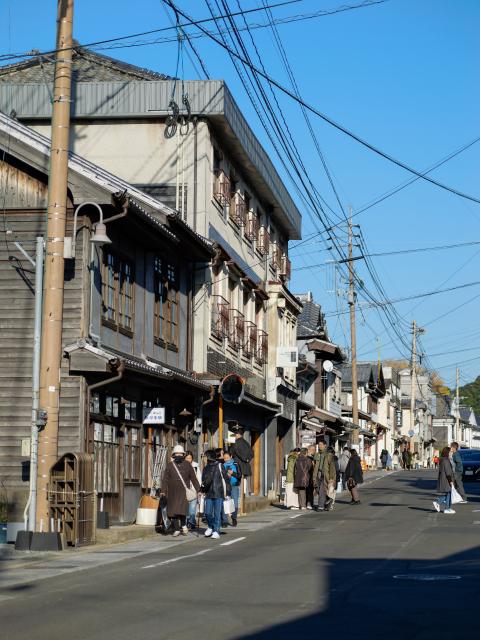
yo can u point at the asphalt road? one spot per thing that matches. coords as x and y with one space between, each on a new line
388 568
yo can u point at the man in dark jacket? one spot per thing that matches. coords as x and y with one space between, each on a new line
242 453
216 487
457 465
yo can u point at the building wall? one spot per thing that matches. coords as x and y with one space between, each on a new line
16 350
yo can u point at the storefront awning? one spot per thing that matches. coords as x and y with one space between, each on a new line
318 428
321 414
86 358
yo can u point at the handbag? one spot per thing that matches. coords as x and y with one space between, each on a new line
351 484
190 492
228 503
455 496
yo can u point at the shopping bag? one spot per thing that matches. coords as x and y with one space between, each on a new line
201 504
229 506
456 497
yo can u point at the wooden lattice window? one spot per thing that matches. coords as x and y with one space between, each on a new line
166 307
117 292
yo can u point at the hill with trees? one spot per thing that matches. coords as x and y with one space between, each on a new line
470 394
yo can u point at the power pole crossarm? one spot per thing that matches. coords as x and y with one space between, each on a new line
52 323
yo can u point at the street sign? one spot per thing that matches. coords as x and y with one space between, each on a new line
154 415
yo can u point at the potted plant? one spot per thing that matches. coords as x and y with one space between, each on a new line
3 512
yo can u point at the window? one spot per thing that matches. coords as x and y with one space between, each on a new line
106 453
166 302
117 292
131 467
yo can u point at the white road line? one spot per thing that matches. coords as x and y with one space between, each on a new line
297 516
226 544
476 522
191 555
475 510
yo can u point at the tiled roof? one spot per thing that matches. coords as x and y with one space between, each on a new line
87 67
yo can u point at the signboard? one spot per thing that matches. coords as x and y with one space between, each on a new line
154 415
307 437
287 356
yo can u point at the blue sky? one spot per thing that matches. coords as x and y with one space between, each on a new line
404 76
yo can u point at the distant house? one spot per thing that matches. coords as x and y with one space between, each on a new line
319 378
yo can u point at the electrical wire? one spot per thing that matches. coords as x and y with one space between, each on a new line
326 118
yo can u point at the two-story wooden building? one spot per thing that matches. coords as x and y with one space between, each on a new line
127 325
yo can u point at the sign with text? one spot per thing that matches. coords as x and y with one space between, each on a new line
154 415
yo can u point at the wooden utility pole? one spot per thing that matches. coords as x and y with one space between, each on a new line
413 378
52 324
353 333
457 412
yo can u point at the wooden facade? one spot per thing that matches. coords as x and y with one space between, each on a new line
107 423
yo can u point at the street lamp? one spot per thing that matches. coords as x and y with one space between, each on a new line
98 238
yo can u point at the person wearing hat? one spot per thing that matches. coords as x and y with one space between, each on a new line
179 475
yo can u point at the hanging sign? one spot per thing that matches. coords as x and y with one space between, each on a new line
154 415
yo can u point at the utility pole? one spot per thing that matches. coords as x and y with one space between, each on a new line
353 333
51 354
413 378
457 412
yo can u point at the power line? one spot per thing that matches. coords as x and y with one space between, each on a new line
399 252
326 118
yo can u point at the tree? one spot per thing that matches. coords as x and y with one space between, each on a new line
470 394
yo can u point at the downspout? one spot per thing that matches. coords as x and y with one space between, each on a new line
30 512
195 171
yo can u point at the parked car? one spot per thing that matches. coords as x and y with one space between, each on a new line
471 464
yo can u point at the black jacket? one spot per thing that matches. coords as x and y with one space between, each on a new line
243 455
354 469
212 485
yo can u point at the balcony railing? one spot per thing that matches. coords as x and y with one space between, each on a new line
275 259
286 267
251 228
263 241
238 211
236 335
262 347
250 344
221 188
220 317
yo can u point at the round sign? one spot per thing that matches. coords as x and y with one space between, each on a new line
328 366
232 388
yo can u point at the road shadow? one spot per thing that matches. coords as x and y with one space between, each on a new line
366 599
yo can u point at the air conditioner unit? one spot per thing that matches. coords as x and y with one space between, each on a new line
287 356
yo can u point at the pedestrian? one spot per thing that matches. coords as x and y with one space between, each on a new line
242 453
324 475
179 475
342 465
405 459
436 460
291 494
302 475
332 490
396 460
444 483
457 464
193 504
216 487
354 475
311 452
235 476
384 459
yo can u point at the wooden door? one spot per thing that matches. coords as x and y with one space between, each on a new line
257 462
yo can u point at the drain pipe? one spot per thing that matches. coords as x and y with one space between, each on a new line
29 514
117 364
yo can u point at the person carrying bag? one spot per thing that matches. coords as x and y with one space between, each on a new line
216 487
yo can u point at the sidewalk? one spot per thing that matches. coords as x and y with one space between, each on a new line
22 567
